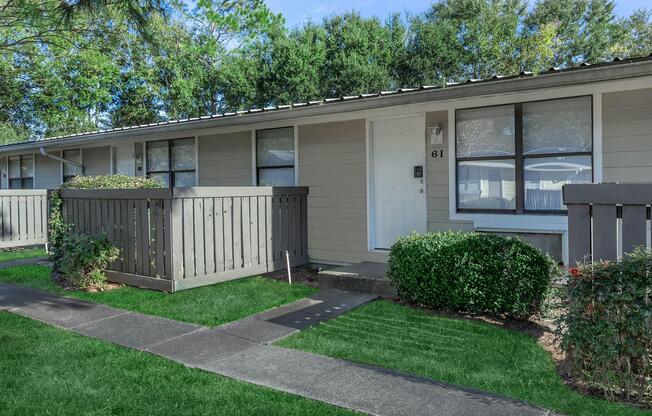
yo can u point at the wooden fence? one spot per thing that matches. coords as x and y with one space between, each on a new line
175 239
23 217
605 220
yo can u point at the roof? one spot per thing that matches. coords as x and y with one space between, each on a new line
618 68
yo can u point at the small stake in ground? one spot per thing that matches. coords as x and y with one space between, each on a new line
287 262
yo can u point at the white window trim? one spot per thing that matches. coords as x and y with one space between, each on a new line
556 224
254 153
168 139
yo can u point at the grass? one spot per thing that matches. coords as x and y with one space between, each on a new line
46 370
6 255
464 352
208 305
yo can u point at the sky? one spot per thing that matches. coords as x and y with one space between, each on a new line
298 12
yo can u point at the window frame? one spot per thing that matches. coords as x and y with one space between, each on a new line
20 169
519 160
170 171
294 153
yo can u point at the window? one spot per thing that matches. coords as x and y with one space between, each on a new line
275 157
21 172
516 158
172 162
70 171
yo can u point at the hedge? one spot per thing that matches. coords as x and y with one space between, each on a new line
607 328
471 272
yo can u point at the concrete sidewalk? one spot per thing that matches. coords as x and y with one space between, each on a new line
241 350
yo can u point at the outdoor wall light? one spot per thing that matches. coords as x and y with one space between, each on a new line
436 134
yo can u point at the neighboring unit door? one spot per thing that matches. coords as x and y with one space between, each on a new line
398 194
124 161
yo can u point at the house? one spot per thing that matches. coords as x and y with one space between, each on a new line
488 155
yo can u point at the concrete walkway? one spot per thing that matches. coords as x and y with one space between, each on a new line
241 350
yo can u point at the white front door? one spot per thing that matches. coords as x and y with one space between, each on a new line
398 194
124 161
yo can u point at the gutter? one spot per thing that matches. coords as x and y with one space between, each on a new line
60 159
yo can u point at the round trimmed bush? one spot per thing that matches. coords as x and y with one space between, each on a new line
471 272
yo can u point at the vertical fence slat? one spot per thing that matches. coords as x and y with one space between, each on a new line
579 233
246 232
237 233
188 238
198 231
262 231
159 236
634 227
269 226
145 229
604 232
176 240
218 223
228 233
14 218
253 204
209 238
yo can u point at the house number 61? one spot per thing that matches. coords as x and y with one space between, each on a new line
438 154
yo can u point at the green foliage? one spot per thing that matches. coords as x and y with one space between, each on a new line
59 231
111 182
86 65
607 329
9 134
472 272
83 259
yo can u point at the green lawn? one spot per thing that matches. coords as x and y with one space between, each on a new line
209 305
458 351
46 370
6 255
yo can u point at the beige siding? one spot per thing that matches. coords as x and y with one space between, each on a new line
627 136
96 161
332 162
225 159
437 180
47 171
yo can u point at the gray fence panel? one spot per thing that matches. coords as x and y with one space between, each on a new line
23 217
599 213
193 236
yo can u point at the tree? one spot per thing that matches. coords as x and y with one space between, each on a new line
585 29
57 22
635 35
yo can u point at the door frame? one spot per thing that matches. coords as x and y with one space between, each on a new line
369 170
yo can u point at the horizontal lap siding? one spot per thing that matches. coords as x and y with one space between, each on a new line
437 182
225 159
627 136
96 161
332 163
48 172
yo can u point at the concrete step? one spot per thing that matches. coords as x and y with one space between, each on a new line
365 277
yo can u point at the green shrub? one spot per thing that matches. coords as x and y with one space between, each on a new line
84 257
472 272
111 182
607 327
58 229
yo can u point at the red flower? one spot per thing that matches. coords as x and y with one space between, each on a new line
575 272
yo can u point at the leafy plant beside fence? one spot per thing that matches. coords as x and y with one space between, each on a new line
607 329
81 259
